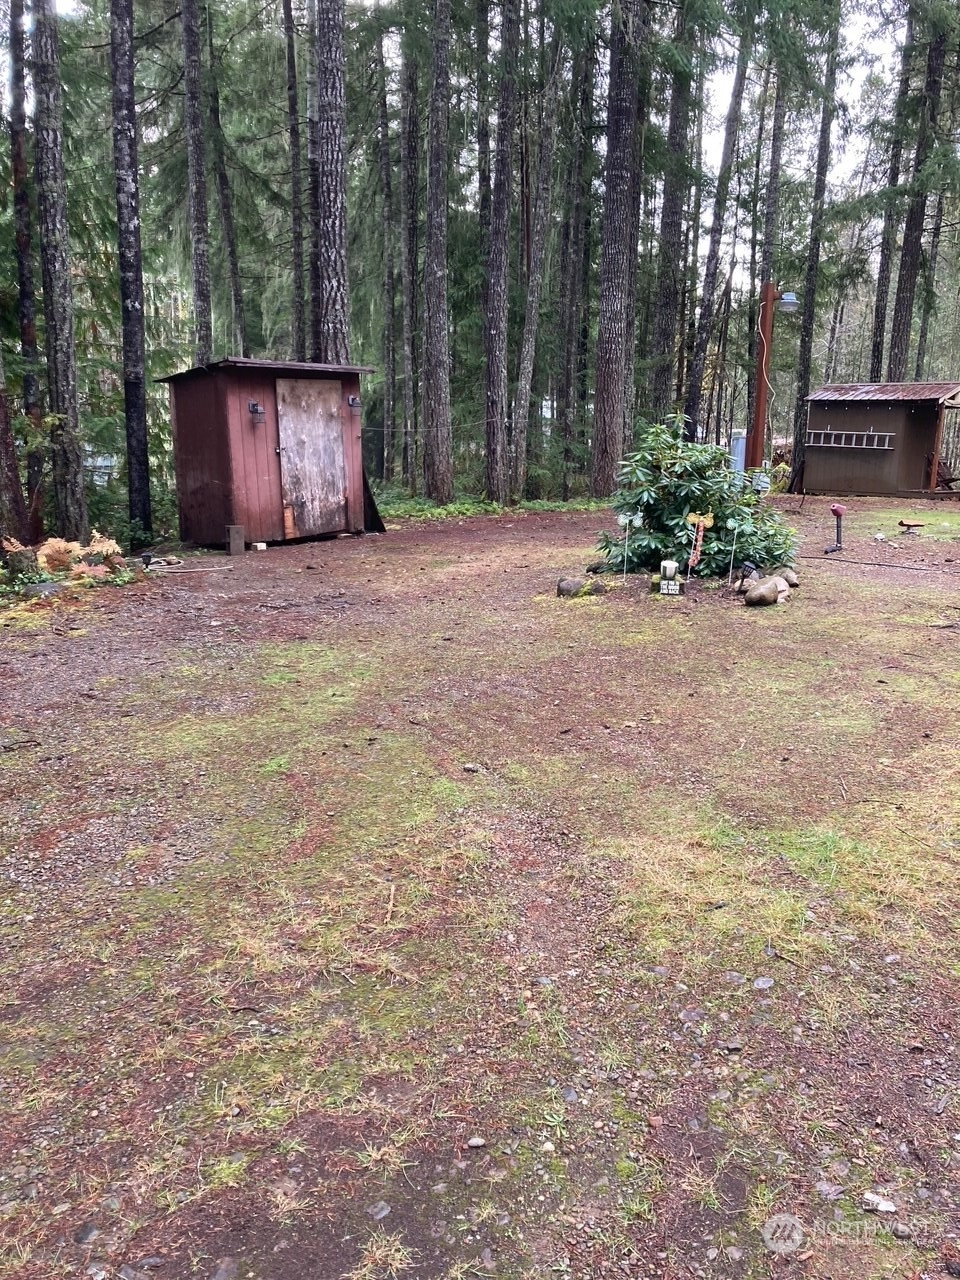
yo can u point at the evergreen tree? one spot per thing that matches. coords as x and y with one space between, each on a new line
133 319
438 444
197 181
69 496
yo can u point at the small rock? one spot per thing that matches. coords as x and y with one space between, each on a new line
131 1273
747 581
901 1231
733 1046
85 1233
734 1253
476 1142
763 984
873 1202
570 1094
548 1148
829 1190
379 1210
471 768
691 1015
789 576
43 588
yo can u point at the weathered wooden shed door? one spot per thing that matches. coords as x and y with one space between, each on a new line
313 473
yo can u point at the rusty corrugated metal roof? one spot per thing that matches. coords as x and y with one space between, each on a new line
887 391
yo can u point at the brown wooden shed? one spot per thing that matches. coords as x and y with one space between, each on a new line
270 445
878 438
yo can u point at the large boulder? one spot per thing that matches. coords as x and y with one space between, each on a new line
771 590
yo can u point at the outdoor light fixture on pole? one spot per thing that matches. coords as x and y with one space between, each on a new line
771 299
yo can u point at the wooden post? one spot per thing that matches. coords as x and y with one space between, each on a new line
937 451
756 434
236 542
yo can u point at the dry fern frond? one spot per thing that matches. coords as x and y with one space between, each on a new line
82 570
101 545
11 544
56 554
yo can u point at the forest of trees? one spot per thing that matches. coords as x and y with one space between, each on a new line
544 222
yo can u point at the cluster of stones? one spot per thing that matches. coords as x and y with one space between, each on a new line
773 589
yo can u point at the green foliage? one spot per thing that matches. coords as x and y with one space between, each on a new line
666 480
395 505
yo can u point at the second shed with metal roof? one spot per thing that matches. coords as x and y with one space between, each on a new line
882 438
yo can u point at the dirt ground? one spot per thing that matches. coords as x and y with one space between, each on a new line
366 911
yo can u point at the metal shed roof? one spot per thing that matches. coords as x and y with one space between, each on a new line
277 366
933 392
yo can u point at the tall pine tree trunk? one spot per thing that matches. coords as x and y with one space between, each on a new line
633 272
313 183
332 159
811 277
67 457
26 294
483 134
627 19
133 320
13 509
752 316
538 260
704 329
888 236
771 213
670 265
929 300
409 246
437 425
912 244
571 255
688 300
225 198
299 324
495 318
389 282
197 181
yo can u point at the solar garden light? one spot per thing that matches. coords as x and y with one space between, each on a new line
627 523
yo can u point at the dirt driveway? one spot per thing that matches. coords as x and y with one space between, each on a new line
366 911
